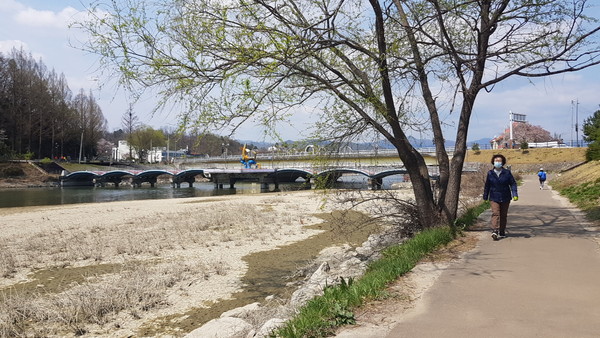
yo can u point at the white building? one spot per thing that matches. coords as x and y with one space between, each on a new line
121 153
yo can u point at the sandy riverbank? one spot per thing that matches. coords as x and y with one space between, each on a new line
153 259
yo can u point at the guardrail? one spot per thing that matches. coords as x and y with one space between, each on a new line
282 156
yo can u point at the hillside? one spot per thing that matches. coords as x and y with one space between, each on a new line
581 185
23 175
588 173
530 160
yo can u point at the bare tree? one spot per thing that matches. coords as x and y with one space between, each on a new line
387 65
130 123
91 122
36 108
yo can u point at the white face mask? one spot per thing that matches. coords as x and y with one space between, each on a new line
498 164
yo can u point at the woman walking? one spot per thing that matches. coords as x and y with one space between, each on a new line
500 188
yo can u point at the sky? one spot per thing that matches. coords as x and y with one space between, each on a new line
40 27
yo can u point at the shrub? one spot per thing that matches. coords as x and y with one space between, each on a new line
593 151
28 156
12 172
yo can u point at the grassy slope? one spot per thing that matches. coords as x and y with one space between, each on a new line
530 156
582 186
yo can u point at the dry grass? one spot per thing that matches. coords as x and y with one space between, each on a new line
530 156
147 236
588 172
31 177
137 268
96 302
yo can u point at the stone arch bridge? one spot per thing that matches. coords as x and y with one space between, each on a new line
221 177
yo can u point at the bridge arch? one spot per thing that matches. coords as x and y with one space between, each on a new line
290 175
79 178
113 176
188 175
391 172
342 171
330 176
149 176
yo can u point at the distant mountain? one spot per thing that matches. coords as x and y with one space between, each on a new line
257 144
484 143
381 144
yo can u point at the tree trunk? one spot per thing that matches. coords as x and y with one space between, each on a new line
419 175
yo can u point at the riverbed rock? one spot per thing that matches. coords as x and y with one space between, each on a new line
228 327
242 312
268 327
313 287
331 266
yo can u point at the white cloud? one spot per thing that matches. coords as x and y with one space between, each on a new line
10 6
7 45
36 18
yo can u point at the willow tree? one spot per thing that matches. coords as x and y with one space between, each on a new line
382 65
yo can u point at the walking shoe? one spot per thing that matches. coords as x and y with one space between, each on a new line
502 235
495 235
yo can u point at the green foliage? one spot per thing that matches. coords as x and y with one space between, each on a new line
145 139
469 218
591 128
593 151
46 160
475 147
29 155
5 151
586 196
524 145
321 315
591 132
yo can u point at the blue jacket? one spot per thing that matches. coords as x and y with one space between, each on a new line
500 188
542 175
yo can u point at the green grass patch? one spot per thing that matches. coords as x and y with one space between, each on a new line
82 167
586 197
470 216
322 315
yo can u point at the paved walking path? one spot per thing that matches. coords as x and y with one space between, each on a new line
543 280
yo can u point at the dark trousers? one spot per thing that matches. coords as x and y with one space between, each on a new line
499 214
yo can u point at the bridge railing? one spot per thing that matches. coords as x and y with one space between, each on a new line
270 156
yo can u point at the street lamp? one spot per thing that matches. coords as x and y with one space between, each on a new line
224 146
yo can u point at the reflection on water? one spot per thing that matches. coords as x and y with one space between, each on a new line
70 195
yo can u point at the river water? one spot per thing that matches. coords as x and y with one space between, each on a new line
70 195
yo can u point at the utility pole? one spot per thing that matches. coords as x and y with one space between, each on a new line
577 121
572 114
80 146
510 126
